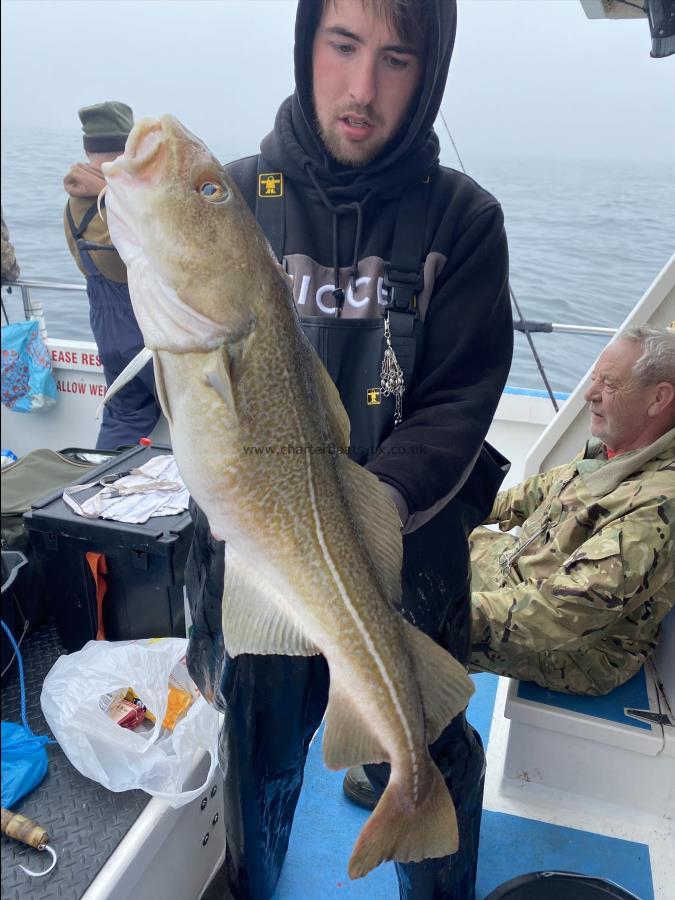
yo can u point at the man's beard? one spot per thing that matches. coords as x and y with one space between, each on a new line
337 150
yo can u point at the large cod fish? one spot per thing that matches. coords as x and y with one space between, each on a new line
313 546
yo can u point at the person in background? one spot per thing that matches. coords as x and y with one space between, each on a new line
10 267
134 411
398 264
575 602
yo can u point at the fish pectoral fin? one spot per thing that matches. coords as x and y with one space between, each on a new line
254 620
160 387
219 378
378 521
346 739
443 681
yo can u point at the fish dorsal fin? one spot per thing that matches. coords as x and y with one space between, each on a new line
329 398
347 740
372 508
254 616
378 522
443 682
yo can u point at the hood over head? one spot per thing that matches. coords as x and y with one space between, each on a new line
295 147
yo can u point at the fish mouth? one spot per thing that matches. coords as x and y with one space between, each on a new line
143 150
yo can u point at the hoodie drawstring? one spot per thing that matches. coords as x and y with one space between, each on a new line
337 210
338 293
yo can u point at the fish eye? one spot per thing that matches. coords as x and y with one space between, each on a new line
214 192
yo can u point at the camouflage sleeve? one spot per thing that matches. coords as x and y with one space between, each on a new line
607 578
513 506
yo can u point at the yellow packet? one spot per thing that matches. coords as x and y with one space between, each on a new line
178 703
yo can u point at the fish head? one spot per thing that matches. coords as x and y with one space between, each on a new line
190 244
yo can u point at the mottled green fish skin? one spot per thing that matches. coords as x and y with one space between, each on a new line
312 534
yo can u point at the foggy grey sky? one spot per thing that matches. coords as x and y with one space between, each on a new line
529 77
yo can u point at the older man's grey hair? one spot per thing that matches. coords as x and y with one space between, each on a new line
657 362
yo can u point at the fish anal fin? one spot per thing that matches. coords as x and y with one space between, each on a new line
444 684
378 522
346 739
254 620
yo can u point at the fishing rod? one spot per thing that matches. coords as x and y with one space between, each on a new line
522 324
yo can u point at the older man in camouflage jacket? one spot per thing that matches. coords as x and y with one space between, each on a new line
576 601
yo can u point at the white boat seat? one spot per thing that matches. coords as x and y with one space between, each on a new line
591 746
664 658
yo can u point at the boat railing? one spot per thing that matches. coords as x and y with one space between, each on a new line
32 306
567 432
33 309
560 328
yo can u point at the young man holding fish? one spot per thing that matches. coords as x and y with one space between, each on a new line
387 252
305 598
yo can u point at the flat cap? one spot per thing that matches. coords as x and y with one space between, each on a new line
106 126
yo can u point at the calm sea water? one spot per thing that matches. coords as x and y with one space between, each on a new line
586 240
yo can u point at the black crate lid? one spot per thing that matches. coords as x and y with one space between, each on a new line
158 535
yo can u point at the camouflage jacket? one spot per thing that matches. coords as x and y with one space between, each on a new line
575 602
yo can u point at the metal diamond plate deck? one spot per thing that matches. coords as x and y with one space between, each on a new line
85 821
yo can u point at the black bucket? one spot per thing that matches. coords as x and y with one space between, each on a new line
559 886
12 562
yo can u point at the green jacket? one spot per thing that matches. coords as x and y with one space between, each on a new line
575 603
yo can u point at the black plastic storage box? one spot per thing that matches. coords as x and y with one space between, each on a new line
144 596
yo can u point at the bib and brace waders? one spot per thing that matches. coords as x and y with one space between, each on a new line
133 412
273 705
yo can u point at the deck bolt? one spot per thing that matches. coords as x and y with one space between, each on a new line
206 839
214 790
215 819
204 802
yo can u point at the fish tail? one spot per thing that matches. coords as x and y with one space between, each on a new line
397 831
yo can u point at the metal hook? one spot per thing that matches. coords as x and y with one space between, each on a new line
46 871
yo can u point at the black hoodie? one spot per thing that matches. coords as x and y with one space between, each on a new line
339 231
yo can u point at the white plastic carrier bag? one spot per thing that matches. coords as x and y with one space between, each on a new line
83 700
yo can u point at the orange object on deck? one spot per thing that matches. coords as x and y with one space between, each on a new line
99 567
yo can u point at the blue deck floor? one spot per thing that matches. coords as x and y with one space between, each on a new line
327 824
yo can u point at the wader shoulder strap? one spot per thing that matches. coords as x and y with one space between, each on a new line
83 246
404 275
92 245
78 230
270 206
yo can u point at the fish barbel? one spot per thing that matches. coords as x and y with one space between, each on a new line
313 545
